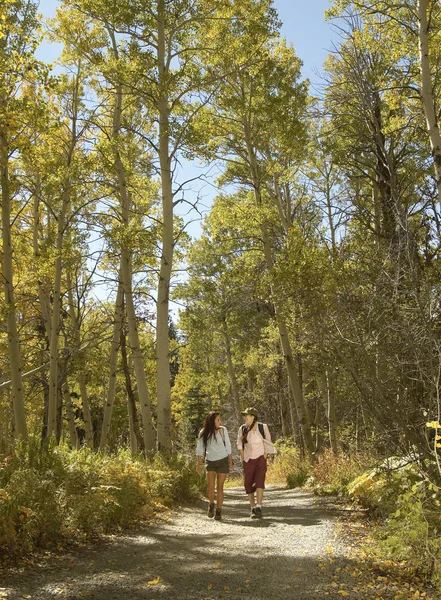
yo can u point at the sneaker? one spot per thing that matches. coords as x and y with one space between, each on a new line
258 512
218 515
210 513
253 513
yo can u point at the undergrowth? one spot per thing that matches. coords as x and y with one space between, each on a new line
402 504
54 494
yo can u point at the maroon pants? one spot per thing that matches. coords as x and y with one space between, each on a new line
254 471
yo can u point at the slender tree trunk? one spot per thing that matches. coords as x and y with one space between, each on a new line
163 389
73 435
8 287
135 436
126 276
56 309
294 380
56 319
143 394
132 434
231 373
80 357
427 93
326 391
43 294
285 416
108 408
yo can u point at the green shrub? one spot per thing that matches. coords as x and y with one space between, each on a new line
288 466
52 493
378 489
407 509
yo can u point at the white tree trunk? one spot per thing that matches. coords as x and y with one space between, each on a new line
143 395
294 380
8 287
231 373
56 317
327 394
126 279
73 435
80 358
163 388
427 94
61 225
108 408
43 294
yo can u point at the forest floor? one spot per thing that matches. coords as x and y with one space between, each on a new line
303 548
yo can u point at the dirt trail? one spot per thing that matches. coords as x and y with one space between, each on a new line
292 553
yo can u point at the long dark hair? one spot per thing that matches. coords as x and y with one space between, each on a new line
246 430
209 429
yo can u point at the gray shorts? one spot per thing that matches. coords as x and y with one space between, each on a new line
218 466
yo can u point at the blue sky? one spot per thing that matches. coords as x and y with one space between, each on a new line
303 24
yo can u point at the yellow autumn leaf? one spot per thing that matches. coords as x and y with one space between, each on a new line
210 586
226 588
154 581
343 593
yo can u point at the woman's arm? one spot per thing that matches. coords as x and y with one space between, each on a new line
228 448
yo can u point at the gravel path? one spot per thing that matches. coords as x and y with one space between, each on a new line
292 553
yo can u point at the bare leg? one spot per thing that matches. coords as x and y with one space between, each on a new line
220 488
211 478
259 495
252 501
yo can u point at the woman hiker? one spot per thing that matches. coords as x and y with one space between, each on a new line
214 445
254 444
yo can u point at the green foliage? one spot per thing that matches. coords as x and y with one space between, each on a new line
407 507
289 466
412 530
378 489
54 493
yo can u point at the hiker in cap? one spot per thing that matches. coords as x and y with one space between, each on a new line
214 445
254 444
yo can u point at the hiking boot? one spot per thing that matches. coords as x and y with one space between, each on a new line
258 512
210 513
218 515
253 513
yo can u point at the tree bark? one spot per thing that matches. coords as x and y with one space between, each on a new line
281 323
80 358
9 294
73 435
231 373
135 436
163 387
327 395
108 409
61 225
126 276
427 94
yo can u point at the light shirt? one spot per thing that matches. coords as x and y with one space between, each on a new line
255 446
216 449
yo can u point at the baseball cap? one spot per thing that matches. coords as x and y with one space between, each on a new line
250 411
